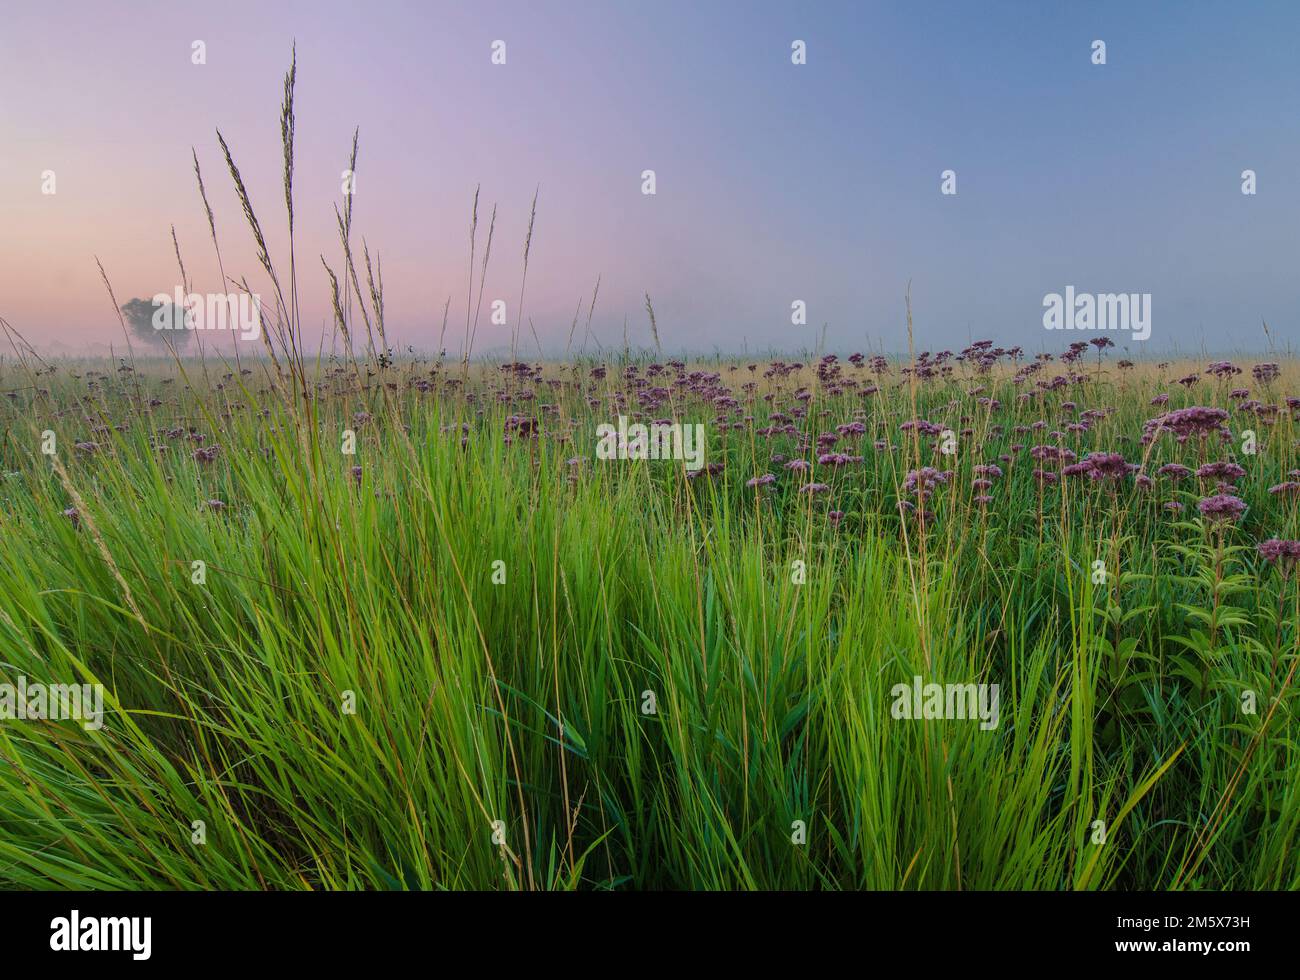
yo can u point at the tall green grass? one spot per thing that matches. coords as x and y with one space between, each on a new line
656 695
524 702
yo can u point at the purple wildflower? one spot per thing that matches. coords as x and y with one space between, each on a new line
1285 553
1222 470
1222 507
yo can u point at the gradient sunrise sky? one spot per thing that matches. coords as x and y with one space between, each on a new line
775 182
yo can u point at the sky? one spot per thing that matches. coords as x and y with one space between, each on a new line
775 182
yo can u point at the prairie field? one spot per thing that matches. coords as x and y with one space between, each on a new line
397 624
306 611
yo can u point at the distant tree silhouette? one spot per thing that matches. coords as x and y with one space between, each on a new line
139 316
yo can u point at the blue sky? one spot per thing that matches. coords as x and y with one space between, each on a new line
775 182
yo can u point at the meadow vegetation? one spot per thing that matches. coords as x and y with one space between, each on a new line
1155 695
468 653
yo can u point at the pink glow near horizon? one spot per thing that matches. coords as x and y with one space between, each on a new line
775 183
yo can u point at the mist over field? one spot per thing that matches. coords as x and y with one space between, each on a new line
822 182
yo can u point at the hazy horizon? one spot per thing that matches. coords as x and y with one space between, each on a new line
776 182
